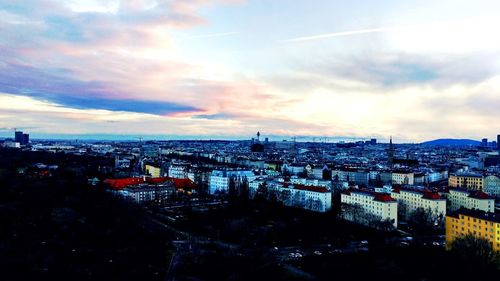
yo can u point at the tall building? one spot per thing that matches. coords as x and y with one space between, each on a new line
22 139
498 142
19 136
484 142
26 139
373 141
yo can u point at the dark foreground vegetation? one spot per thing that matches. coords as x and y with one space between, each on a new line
56 228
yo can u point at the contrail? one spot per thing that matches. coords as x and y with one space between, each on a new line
346 33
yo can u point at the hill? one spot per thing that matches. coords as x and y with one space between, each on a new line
453 142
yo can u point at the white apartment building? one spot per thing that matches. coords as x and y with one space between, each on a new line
148 193
311 182
178 171
470 199
11 144
314 198
219 179
317 171
410 199
358 177
436 176
378 206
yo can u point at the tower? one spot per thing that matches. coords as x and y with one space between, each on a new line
390 153
484 142
258 136
18 136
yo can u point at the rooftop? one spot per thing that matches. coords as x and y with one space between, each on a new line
492 217
472 193
427 194
382 197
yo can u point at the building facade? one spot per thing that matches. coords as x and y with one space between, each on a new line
147 193
470 199
473 222
178 171
492 185
358 177
466 181
402 177
220 179
373 206
153 171
313 198
411 199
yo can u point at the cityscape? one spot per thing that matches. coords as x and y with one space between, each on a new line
193 140
287 209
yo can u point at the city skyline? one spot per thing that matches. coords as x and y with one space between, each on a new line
415 70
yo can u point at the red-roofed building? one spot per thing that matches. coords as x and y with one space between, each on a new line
470 199
310 188
375 206
124 182
185 184
314 198
410 199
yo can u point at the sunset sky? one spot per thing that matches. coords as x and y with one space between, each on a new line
417 70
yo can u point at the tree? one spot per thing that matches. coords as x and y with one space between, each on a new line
303 174
424 220
475 250
327 174
262 193
244 190
286 197
232 189
297 200
272 197
286 173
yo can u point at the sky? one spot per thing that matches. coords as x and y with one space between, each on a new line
416 70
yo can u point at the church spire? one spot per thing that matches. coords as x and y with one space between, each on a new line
390 153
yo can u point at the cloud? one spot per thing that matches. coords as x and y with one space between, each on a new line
116 57
28 81
387 70
221 34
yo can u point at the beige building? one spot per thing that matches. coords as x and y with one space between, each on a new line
410 199
403 178
153 171
466 181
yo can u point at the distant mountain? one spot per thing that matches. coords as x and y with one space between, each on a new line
453 142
